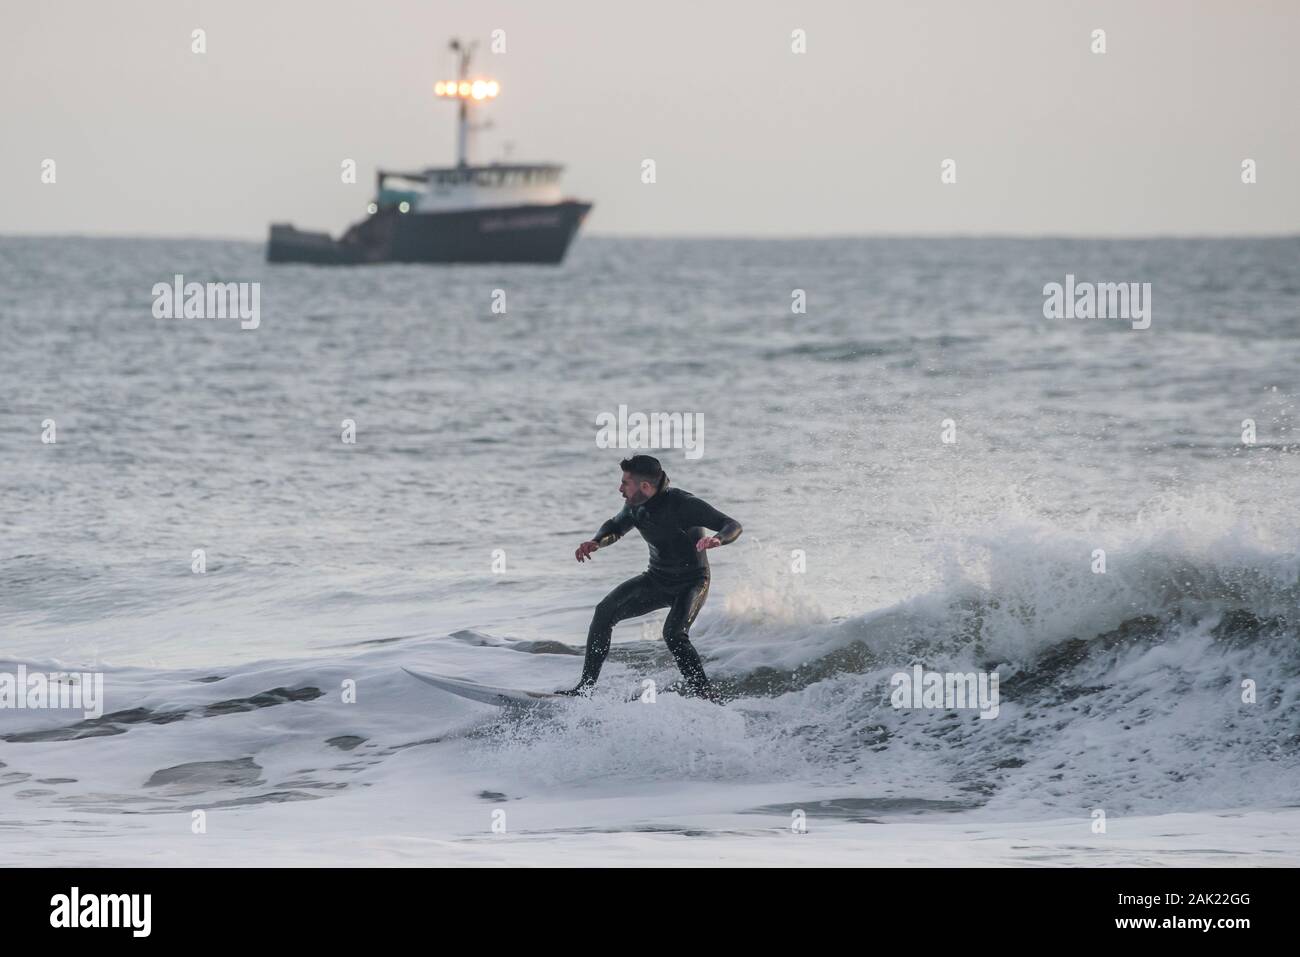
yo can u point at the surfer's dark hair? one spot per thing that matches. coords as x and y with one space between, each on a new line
644 467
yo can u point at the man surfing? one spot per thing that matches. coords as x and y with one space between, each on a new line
673 523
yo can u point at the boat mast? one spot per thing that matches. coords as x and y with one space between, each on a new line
462 127
465 90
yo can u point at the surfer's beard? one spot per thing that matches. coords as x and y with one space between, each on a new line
637 498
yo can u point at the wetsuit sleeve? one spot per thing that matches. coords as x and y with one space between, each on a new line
696 511
614 529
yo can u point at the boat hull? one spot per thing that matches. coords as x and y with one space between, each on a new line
509 234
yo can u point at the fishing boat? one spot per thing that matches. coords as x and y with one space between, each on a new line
493 213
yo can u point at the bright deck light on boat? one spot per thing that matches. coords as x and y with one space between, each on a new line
403 207
372 209
468 89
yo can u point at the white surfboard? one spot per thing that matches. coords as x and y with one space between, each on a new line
501 697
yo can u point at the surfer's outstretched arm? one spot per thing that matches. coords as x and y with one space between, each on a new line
608 534
615 528
696 511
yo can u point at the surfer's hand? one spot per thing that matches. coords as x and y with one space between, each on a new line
584 551
710 541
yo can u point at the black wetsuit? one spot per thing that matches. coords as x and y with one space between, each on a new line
671 521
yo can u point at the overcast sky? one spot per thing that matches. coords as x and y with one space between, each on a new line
748 137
